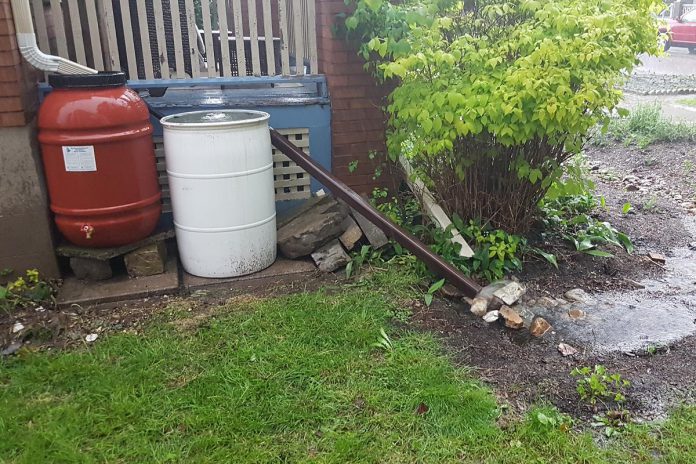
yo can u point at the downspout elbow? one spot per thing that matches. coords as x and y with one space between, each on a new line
49 63
26 42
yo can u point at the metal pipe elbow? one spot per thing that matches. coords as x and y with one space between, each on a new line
26 42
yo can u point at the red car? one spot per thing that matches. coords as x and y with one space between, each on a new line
682 32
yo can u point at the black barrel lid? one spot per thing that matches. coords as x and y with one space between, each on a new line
104 79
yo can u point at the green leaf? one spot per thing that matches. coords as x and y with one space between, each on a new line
351 22
428 297
550 257
626 208
625 242
374 5
622 112
599 253
585 244
436 286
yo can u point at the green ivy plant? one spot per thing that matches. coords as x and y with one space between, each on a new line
492 96
25 290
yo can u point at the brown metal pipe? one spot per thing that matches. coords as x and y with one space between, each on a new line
434 262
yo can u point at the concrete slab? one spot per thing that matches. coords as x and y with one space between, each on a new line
281 270
75 291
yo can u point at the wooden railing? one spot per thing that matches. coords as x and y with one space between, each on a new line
182 39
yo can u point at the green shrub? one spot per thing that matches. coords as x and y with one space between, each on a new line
492 96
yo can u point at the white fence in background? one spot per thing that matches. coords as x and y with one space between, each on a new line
182 39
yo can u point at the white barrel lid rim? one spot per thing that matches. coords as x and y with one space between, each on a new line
169 122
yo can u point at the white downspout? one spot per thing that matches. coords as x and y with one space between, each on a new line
26 40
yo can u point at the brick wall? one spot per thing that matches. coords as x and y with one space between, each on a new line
18 97
357 120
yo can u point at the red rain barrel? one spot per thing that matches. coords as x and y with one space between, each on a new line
99 160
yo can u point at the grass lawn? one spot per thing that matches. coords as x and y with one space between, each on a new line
291 379
644 126
688 101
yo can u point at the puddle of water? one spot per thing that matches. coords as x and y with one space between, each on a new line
661 314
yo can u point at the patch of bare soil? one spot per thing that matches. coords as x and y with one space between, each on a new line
524 370
660 184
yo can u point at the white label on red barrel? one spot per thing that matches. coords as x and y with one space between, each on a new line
79 158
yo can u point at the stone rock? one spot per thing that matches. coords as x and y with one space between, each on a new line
491 316
11 349
91 269
578 295
146 261
566 350
511 317
577 314
374 234
479 307
352 233
17 327
539 327
548 302
510 293
632 188
526 314
318 203
304 234
657 258
487 293
452 292
330 257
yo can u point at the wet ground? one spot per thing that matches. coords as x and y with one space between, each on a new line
642 317
633 321
524 370
676 61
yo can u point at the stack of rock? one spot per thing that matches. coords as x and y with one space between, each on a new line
498 301
326 230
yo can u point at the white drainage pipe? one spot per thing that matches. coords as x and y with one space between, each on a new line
26 40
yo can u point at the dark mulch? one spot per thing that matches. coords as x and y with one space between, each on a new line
658 221
524 370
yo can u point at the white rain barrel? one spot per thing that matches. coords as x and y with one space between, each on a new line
220 170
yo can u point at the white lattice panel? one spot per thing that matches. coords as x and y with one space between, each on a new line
291 181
